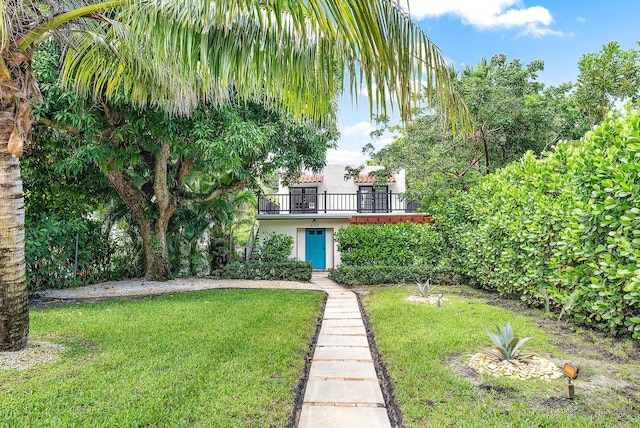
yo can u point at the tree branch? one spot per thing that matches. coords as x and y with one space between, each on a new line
229 188
51 124
160 190
133 197
241 184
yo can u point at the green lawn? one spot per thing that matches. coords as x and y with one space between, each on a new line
425 347
220 358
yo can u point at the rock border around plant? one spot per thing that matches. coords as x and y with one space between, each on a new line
534 367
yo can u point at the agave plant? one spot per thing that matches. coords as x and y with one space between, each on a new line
425 288
505 345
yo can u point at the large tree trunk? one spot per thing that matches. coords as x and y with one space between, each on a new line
152 230
154 242
155 253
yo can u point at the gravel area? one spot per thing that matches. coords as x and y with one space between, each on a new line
141 287
534 367
33 353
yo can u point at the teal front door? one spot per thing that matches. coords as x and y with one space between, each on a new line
315 248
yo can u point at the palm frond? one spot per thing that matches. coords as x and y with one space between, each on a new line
5 27
290 53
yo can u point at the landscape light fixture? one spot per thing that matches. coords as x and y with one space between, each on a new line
571 372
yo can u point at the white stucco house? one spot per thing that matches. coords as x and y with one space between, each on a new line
313 208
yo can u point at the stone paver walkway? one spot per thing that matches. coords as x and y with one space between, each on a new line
343 390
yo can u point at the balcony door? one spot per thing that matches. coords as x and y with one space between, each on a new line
372 199
304 200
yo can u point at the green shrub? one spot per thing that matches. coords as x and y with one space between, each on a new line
374 275
50 252
562 231
291 270
275 247
403 244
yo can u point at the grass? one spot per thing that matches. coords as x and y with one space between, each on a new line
216 358
424 349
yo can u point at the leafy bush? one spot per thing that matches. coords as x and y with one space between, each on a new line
291 270
562 231
401 244
275 247
374 275
50 252
389 254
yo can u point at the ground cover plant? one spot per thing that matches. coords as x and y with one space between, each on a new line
211 358
425 347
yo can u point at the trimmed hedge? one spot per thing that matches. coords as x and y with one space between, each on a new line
561 231
292 270
388 254
373 275
402 244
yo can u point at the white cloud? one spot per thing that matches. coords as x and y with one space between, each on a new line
352 139
359 129
536 31
347 157
581 19
488 14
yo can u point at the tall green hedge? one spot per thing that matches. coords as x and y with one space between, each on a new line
388 254
561 231
399 244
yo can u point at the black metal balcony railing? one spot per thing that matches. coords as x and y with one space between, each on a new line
360 202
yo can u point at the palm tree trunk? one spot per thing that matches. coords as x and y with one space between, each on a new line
16 87
14 302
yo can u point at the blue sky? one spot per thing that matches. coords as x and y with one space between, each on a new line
558 32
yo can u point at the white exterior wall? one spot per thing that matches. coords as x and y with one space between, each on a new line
296 228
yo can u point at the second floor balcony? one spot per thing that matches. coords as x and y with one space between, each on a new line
314 203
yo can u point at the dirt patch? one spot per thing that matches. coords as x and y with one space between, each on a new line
34 353
558 403
455 363
502 390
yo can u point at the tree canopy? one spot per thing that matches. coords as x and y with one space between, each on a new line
513 113
606 78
